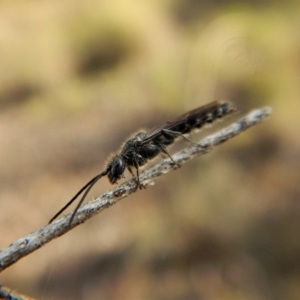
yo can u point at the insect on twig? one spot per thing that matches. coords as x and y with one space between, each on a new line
145 145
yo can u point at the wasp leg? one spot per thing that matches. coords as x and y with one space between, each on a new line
136 177
163 149
131 172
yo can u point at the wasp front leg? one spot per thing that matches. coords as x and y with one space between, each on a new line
136 177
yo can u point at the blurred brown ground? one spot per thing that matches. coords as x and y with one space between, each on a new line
78 77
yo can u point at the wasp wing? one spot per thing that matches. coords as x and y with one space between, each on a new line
192 119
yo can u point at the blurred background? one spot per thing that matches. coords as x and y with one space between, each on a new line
78 77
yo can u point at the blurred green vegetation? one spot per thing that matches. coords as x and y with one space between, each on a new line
76 77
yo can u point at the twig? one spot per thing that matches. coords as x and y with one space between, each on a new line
37 239
8 294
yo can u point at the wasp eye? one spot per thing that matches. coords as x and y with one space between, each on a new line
117 168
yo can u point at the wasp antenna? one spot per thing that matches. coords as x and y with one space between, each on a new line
88 186
92 183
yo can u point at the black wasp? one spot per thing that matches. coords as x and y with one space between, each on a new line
146 145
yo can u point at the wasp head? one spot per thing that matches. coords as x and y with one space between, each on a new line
116 169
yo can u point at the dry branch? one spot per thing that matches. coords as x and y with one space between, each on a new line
8 294
37 239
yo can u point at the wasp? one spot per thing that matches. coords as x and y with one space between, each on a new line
146 145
